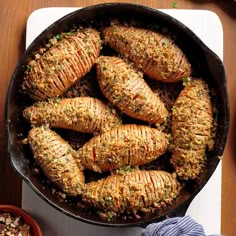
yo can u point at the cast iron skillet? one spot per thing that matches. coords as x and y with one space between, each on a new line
205 63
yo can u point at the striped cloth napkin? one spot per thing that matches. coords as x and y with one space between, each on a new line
177 226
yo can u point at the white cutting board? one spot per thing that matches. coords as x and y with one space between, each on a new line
205 208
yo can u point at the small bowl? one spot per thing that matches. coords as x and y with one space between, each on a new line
16 211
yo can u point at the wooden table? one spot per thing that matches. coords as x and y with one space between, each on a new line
13 16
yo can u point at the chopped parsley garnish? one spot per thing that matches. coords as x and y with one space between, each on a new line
185 79
174 4
58 36
68 33
28 67
165 42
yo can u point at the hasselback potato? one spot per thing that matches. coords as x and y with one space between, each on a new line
125 87
61 65
83 114
125 145
57 160
156 54
192 123
131 192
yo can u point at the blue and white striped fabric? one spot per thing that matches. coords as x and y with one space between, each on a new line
177 226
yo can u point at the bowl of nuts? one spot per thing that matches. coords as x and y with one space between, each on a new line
16 221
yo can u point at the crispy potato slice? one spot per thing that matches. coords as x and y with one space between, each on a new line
83 114
126 145
156 54
125 88
192 124
131 192
59 67
57 160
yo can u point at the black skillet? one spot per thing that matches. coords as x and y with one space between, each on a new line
205 63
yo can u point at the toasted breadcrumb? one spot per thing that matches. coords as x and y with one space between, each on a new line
192 124
58 68
83 114
57 160
125 88
156 54
131 192
126 145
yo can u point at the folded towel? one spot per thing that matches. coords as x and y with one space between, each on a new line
177 226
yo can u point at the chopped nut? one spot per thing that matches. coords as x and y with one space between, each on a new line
13 225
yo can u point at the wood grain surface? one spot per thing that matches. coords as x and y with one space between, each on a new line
13 17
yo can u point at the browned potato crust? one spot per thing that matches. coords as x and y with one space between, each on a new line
62 64
83 114
192 124
126 145
156 54
57 160
131 192
125 88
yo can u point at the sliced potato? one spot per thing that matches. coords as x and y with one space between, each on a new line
129 144
156 54
83 114
192 124
125 88
59 67
131 192
57 160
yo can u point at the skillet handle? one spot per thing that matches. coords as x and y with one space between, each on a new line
18 162
178 212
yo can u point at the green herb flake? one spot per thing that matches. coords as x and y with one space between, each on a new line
186 79
28 67
174 4
165 42
127 168
58 36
